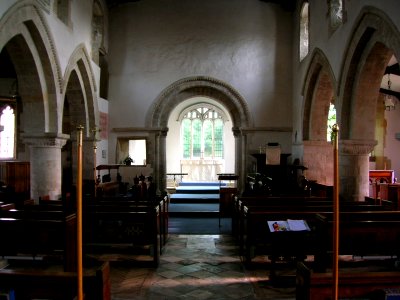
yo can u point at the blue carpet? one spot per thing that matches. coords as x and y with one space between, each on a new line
193 207
199 183
200 226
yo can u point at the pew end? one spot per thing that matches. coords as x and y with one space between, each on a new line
353 284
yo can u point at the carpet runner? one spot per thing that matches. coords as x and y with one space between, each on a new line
194 209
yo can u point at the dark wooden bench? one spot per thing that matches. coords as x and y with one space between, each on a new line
257 239
125 204
57 285
123 232
354 284
39 235
373 233
361 226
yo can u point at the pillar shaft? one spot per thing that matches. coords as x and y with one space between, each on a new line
354 168
45 166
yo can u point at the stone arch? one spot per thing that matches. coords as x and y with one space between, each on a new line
199 86
79 66
318 91
374 40
25 34
80 108
191 87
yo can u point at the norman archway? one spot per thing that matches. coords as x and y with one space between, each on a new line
189 88
373 43
318 93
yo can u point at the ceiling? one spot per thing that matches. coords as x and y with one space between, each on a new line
289 5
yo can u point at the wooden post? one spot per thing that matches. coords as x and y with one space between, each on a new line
79 212
335 265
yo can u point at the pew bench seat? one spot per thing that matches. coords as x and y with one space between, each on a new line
57 285
352 284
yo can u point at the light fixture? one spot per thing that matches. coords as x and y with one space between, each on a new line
389 99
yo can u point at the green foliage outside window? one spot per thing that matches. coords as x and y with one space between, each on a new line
202 134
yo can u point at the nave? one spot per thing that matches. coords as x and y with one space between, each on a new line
196 267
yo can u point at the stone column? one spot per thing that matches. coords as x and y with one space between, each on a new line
160 169
241 157
354 168
45 165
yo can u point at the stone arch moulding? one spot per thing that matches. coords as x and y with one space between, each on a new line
207 87
26 20
318 91
199 86
373 42
80 63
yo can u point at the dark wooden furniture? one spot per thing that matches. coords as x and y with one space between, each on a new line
124 225
352 284
40 235
16 176
284 177
227 188
40 284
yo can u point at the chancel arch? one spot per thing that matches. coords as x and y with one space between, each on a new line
182 90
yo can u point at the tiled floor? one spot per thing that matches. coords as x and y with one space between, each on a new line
195 267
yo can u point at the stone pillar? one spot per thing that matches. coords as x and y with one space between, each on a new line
160 169
354 168
318 158
240 157
45 165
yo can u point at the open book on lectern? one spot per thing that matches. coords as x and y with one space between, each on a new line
288 225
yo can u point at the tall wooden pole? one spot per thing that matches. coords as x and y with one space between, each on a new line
79 213
335 266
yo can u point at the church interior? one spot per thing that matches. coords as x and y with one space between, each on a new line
215 149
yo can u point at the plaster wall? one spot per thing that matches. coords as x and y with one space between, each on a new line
246 44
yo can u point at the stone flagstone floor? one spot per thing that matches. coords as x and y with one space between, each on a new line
195 267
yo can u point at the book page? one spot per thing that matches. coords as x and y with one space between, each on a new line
278 226
298 225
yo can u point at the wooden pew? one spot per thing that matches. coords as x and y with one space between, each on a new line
254 234
40 284
256 238
123 231
372 233
276 204
270 202
39 235
352 285
128 203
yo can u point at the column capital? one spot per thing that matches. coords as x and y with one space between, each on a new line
356 147
237 132
47 140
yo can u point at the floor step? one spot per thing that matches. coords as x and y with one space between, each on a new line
199 210
198 198
199 183
191 189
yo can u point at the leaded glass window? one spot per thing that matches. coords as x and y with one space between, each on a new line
202 134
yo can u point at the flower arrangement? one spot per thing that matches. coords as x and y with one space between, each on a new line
128 160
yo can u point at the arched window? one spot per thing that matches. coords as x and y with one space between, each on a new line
336 14
7 133
331 121
304 33
202 133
